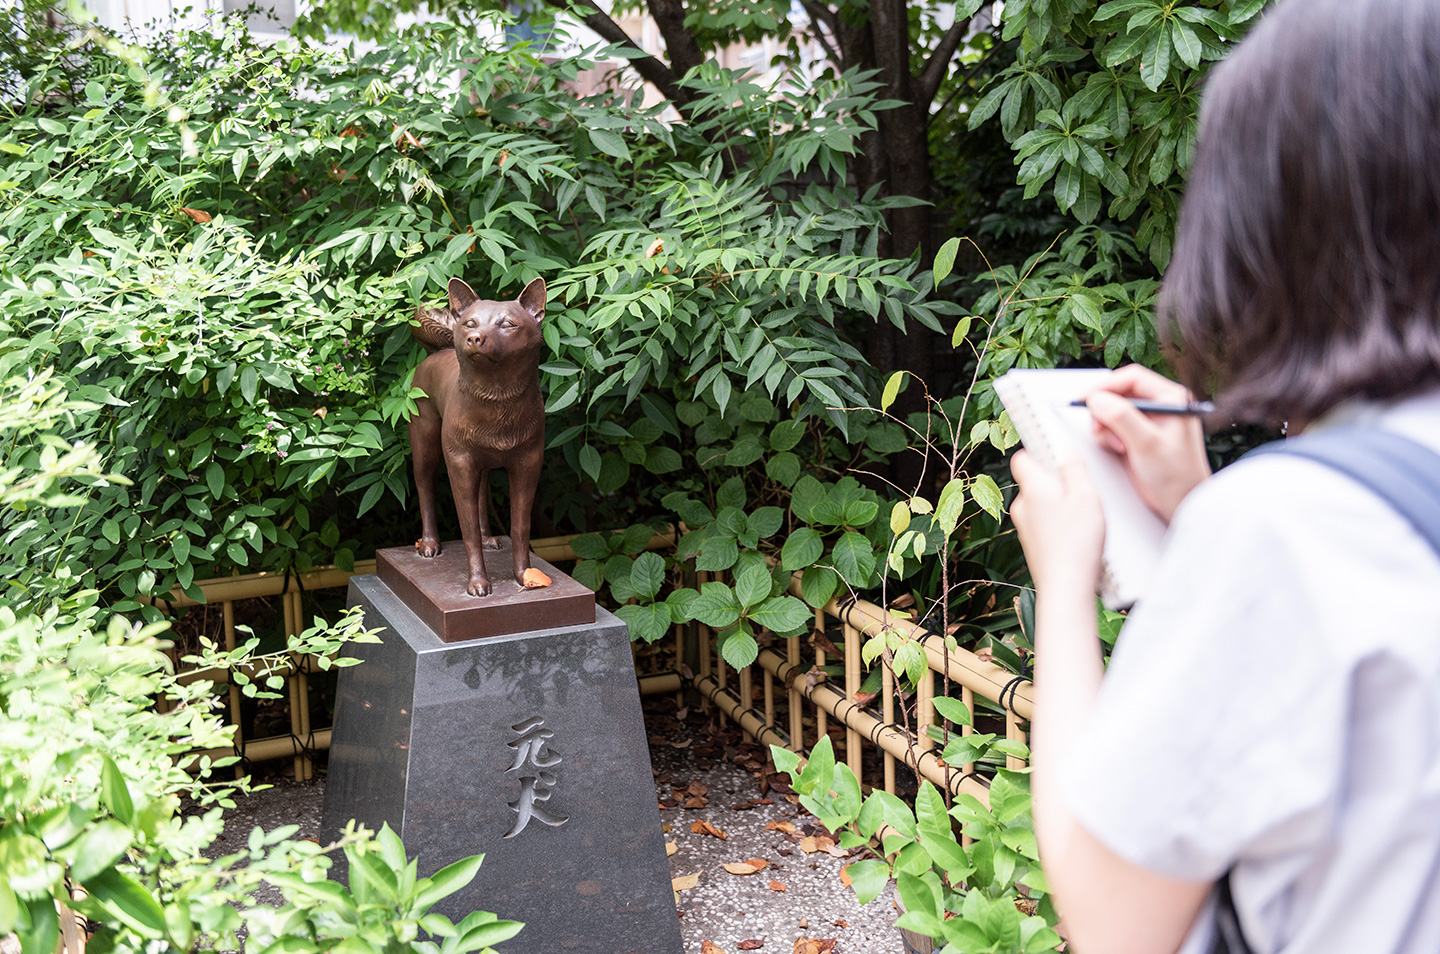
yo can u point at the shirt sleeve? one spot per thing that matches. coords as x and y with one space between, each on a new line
1218 730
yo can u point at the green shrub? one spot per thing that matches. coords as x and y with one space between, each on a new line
219 245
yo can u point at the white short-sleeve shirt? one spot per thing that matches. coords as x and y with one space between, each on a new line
1273 706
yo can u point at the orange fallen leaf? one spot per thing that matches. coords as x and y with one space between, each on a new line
705 828
835 852
739 867
813 843
814 945
709 947
780 826
197 215
697 788
777 885
696 802
319 412
534 579
841 924
685 882
845 876
757 863
670 848
804 923
751 944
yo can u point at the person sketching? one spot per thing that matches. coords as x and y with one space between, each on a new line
1270 719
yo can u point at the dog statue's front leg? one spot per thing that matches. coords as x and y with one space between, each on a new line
465 481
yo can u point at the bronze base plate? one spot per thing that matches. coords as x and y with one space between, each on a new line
434 590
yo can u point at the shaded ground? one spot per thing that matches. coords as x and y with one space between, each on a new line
709 783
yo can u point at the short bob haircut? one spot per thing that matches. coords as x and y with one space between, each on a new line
1307 261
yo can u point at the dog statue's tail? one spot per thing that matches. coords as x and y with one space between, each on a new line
434 328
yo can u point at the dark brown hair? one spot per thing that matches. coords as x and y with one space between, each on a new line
1307 259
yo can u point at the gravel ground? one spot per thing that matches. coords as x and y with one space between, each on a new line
726 783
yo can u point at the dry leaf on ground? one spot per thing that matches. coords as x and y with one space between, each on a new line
739 867
777 885
533 579
703 827
685 882
710 947
758 863
697 788
780 826
845 876
814 945
813 843
697 802
841 923
670 848
751 944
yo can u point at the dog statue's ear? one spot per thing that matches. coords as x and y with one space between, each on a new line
461 297
532 299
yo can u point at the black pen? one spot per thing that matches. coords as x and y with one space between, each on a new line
1156 407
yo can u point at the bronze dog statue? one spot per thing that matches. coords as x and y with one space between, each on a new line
483 411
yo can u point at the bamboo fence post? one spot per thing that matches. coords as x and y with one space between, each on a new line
747 692
767 683
793 699
853 754
1014 734
925 710
887 711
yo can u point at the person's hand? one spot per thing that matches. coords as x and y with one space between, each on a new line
1164 454
1058 518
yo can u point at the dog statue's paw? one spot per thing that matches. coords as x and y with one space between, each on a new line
495 543
479 586
427 547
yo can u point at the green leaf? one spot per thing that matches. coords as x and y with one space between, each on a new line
739 649
42 933
786 435
249 381
766 521
716 606
128 900
215 479
114 792
854 558
99 848
986 494
647 575
818 585
868 878
802 548
590 462
952 710
612 144
782 614
752 585
1155 64
731 493
590 546
892 390
647 622
945 260
783 468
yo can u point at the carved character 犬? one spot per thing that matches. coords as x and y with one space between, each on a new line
482 411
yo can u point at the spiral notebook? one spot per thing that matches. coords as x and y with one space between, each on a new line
1038 402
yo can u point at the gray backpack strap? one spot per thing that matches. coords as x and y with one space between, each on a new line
1398 470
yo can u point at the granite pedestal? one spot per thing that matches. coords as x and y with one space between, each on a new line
529 748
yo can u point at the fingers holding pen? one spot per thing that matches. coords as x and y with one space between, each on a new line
1164 454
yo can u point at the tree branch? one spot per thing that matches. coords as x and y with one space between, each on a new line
680 44
927 84
650 69
824 15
